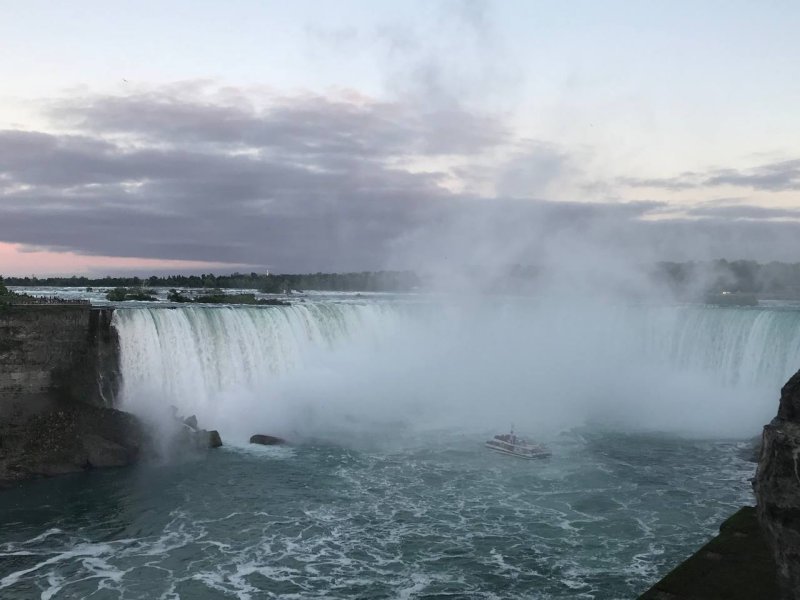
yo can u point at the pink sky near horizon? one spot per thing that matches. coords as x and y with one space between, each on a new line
18 261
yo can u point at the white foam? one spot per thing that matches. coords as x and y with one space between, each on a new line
79 551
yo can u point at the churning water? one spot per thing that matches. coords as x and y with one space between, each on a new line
387 491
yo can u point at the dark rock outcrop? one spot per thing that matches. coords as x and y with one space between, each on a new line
214 439
187 441
751 452
777 487
266 440
735 565
59 375
54 353
68 438
58 380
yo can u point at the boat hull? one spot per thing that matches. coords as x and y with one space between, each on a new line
527 456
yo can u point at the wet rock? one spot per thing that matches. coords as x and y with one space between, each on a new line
266 440
191 421
214 439
187 441
751 451
69 438
777 488
101 452
735 565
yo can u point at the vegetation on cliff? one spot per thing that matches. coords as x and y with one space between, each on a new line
122 294
9 297
221 298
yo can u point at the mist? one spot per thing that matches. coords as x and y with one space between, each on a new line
545 369
573 354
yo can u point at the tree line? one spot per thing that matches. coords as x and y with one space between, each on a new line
688 280
365 281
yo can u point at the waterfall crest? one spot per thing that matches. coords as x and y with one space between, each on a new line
402 361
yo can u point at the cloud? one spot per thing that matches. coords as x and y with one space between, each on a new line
338 182
771 177
779 176
301 183
744 212
310 126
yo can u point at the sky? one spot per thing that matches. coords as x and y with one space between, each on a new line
342 136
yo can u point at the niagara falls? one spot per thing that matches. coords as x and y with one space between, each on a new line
422 300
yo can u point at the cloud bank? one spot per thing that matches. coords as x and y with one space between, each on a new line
310 182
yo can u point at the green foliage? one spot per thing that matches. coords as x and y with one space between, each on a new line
117 294
220 298
6 296
175 296
687 280
122 294
375 281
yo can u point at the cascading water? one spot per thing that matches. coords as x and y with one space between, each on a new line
235 364
192 357
741 345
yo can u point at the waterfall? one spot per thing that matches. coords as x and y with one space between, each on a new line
739 345
402 361
193 353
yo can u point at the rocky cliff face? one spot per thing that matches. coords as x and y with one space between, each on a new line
58 379
777 487
56 352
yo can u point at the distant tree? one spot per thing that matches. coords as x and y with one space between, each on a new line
120 294
117 294
175 296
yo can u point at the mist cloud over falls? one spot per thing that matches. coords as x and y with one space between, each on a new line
336 182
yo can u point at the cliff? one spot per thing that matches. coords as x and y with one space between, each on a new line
58 379
754 558
56 352
735 565
777 488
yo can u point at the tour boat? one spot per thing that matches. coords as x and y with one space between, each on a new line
510 443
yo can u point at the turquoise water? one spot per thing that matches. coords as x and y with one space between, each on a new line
428 517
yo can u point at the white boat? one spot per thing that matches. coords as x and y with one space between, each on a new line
510 443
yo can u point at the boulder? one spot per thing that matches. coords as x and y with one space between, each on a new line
188 441
266 440
214 439
777 487
191 421
67 438
101 452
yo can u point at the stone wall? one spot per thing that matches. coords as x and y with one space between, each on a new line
54 353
